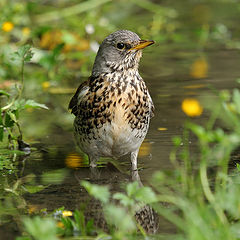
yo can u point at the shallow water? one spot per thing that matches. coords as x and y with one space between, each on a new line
170 77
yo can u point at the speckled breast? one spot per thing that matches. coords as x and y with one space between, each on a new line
114 115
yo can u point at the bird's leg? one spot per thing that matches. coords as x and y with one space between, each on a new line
136 177
134 159
92 161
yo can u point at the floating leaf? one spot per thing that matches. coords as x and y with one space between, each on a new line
54 177
34 189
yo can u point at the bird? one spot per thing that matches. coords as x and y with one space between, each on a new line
113 107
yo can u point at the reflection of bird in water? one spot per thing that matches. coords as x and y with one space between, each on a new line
145 216
113 108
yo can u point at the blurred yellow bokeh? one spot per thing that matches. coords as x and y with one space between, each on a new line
162 129
195 86
60 225
26 31
192 107
72 41
145 149
199 68
46 85
74 160
33 208
7 26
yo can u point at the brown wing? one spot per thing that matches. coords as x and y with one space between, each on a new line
73 105
152 110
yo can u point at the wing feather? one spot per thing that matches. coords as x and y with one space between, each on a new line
76 99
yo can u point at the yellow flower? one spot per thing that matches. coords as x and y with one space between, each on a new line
7 26
26 31
45 85
67 213
60 225
199 68
192 107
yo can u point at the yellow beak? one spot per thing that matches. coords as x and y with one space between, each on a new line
142 44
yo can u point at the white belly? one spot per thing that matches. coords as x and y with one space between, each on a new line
113 140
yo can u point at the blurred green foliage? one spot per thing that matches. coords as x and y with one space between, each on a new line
9 113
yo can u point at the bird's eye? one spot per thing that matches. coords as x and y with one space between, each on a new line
120 45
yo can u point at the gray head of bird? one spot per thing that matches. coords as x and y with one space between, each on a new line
120 51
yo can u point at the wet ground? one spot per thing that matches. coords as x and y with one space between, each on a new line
171 75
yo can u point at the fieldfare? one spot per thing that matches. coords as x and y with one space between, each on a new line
113 107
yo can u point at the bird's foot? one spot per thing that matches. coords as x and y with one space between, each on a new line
93 164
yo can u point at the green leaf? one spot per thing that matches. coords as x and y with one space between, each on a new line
51 59
23 238
41 228
34 189
13 116
238 167
236 99
132 188
90 227
1 133
80 222
1 120
177 141
32 104
24 53
99 192
146 195
54 177
124 200
119 218
4 93
8 120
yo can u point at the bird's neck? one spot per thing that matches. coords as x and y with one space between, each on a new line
127 76
126 65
